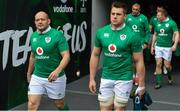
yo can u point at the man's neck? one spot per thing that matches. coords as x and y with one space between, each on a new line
44 31
136 14
118 27
165 19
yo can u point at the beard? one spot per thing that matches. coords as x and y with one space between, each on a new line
42 29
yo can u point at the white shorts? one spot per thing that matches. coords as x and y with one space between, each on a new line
54 89
113 88
163 52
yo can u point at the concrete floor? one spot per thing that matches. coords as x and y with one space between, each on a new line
78 96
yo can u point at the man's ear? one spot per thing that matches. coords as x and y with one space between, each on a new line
49 21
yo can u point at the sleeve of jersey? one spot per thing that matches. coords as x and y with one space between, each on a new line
174 26
155 29
147 32
126 19
151 21
62 43
136 45
97 42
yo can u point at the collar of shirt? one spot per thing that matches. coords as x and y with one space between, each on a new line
166 19
135 15
119 28
48 29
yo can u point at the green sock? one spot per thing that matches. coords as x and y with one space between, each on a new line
66 108
159 79
169 74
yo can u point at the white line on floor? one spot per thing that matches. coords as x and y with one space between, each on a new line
167 103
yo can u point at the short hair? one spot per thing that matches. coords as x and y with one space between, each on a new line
119 4
161 5
137 4
41 11
164 12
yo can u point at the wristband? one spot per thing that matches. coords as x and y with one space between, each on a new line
139 89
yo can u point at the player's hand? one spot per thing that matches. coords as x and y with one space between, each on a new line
53 76
140 91
92 86
145 46
152 50
173 48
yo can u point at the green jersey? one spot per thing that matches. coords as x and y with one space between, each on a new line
139 24
117 49
165 31
46 48
154 20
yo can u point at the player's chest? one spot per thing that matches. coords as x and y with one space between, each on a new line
135 21
118 40
163 28
44 42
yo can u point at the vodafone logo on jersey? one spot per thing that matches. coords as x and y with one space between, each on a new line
39 51
161 30
112 48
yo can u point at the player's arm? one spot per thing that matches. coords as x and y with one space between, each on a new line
147 34
62 65
153 43
151 25
30 67
140 67
94 61
175 40
64 62
150 28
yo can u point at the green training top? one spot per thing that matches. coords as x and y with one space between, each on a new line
154 20
165 32
46 48
117 48
139 24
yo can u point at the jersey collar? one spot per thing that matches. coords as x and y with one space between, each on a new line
166 19
48 29
119 28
